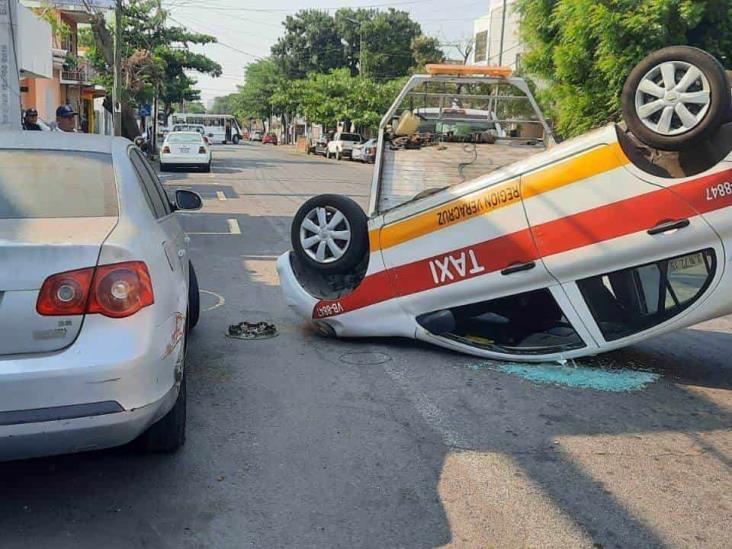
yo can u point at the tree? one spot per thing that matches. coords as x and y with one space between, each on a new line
381 41
155 58
584 49
225 104
310 44
425 50
262 80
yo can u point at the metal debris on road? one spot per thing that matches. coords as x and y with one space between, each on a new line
252 330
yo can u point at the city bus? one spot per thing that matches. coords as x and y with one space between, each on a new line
220 128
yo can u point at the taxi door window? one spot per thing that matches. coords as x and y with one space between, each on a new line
632 300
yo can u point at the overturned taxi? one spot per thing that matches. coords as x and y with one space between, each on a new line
485 236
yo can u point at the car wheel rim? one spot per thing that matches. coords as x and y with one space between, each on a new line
673 98
325 234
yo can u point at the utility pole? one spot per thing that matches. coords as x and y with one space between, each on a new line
117 89
503 30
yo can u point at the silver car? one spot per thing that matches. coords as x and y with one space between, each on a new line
97 294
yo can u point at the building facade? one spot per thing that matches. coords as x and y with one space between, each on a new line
72 78
490 49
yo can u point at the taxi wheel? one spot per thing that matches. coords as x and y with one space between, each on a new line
330 234
676 97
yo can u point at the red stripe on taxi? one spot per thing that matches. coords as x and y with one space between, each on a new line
709 193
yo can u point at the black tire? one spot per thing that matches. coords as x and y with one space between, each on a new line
168 433
338 156
207 167
194 298
355 250
718 108
235 140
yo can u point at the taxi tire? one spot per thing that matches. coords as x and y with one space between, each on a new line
357 221
235 140
720 105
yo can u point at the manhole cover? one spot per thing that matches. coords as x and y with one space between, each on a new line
366 358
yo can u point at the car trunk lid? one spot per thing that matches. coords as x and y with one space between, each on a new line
57 208
36 249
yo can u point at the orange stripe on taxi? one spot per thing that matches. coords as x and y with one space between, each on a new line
485 201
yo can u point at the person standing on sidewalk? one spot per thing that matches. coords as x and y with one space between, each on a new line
30 123
65 119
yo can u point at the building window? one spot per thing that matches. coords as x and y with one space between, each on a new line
481 46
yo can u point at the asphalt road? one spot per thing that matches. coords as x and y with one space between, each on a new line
302 441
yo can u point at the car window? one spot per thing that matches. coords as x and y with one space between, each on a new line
631 300
160 207
350 137
184 138
56 184
526 323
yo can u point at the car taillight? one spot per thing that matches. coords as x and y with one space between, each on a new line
201 150
117 291
166 150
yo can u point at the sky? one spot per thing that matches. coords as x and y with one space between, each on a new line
246 29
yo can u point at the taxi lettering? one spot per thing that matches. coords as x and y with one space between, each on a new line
455 267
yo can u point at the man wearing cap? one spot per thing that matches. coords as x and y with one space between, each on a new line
31 120
65 119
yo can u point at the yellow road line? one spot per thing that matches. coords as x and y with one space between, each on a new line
220 195
233 226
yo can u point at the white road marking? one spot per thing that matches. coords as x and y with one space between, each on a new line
220 195
219 300
234 226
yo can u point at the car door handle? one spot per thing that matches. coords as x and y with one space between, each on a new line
666 226
518 267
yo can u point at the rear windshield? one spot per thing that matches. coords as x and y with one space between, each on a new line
184 138
350 137
53 184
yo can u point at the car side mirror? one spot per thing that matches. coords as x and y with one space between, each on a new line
187 200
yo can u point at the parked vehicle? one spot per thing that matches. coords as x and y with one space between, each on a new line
270 138
319 146
185 149
342 144
256 136
199 128
365 152
219 128
522 249
96 297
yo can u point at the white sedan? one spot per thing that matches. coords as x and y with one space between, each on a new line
185 149
97 294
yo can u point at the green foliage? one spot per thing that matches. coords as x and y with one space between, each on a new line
425 50
374 43
262 81
225 104
584 49
311 44
156 55
337 96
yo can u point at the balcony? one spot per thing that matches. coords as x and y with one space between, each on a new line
81 74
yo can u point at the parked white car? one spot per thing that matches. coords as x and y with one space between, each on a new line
342 144
97 294
185 149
